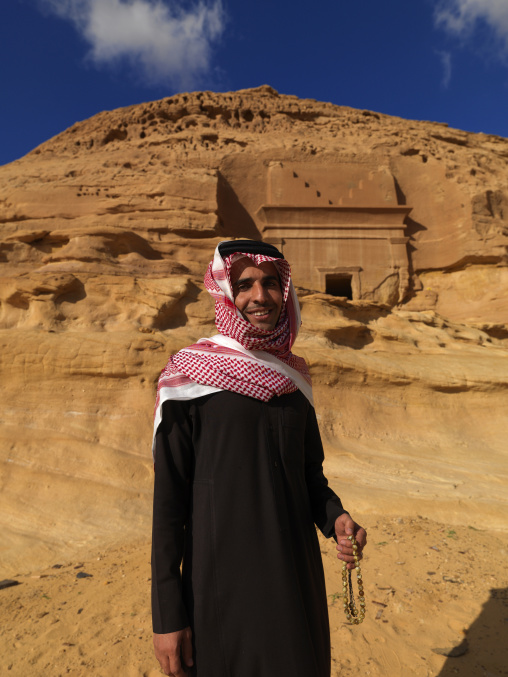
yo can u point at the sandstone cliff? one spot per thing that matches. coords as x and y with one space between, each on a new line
105 234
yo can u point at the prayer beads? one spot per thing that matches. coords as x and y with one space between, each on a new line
354 614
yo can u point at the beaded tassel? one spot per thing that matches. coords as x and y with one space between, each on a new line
353 614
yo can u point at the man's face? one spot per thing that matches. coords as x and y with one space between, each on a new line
257 292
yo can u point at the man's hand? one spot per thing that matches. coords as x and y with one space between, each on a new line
344 527
171 648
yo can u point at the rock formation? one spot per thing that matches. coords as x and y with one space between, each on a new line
397 231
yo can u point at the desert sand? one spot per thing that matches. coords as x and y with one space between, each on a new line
431 590
105 233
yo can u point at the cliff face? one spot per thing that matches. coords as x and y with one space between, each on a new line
106 231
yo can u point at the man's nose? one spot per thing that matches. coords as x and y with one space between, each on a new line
259 293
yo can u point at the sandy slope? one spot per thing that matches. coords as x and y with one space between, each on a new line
428 586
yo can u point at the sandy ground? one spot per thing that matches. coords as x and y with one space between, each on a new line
430 588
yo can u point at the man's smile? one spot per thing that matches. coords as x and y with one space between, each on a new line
261 317
259 313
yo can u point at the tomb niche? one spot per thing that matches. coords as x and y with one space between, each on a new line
340 226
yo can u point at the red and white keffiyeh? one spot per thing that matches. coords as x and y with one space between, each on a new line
242 358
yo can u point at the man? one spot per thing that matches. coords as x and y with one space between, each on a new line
239 486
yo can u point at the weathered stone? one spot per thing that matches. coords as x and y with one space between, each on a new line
106 231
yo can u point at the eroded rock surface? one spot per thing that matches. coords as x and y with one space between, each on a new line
105 234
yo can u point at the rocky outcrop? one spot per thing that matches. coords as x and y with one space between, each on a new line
105 234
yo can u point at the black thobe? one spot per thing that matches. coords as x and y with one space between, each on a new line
239 485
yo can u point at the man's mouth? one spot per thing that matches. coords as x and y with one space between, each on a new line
259 313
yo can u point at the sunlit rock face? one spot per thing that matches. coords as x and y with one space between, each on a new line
397 233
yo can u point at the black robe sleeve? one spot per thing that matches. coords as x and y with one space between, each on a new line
325 504
172 486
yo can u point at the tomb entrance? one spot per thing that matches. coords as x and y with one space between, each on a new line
340 226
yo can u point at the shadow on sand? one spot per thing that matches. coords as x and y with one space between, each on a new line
485 644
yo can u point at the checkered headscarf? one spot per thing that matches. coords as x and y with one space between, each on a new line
229 320
241 358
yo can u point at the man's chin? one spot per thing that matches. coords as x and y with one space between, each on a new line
266 326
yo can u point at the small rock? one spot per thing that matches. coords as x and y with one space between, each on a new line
83 574
454 651
8 583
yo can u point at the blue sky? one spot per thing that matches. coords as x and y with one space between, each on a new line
65 60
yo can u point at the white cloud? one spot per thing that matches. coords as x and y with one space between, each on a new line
446 62
163 41
460 17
